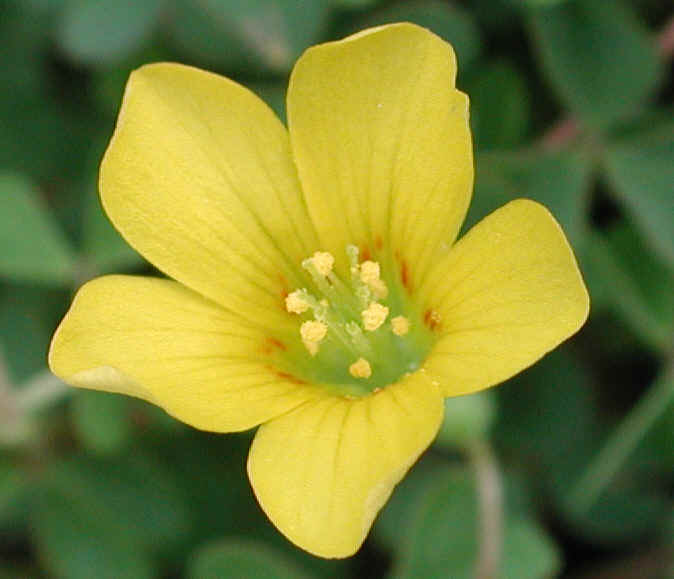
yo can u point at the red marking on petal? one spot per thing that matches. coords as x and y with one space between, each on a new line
378 243
405 277
284 287
277 344
365 253
290 377
270 344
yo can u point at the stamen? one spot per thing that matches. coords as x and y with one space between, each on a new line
374 316
296 302
323 262
369 272
360 369
400 325
312 332
349 309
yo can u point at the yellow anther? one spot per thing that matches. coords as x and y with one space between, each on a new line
400 325
369 272
323 262
360 369
312 332
295 302
374 316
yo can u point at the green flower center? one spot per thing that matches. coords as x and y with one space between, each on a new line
357 335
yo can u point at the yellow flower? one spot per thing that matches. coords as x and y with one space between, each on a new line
319 292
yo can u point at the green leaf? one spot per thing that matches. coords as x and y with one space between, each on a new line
448 21
467 418
98 32
132 497
245 34
631 281
597 56
641 171
559 180
13 490
548 417
24 334
444 536
32 248
243 559
391 526
74 541
499 105
354 4
528 552
101 421
620 516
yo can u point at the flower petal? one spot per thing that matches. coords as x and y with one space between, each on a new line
323 471
160 341
381 141
199 178
506 294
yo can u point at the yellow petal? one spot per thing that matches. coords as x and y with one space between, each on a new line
382 143
323 471
162 342
506 294
198 178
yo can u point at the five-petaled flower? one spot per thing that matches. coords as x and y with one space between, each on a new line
319 292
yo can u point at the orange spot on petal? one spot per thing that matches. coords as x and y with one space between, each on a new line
432 319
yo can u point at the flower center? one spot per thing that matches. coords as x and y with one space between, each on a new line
359 334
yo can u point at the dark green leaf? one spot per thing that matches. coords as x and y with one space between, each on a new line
528 552
548 416
444 535
499 105
449 21
467 418
641 170
267 34
132 496
44 256
27 320
96 32
75 541
391 526
618 517
101 420
13 488
625 277
597 56
243 559
558 180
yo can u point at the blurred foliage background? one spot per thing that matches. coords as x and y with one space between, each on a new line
571 105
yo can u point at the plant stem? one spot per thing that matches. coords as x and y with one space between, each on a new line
623 441
40 391
490 497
